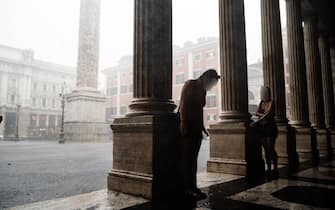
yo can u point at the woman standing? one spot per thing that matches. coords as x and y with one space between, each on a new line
268 132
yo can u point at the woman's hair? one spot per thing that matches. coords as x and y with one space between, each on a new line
210 74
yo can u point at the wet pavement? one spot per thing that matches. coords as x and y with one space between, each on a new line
308 188
32 171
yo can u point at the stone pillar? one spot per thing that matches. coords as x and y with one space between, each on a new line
228 150
273 71
328 91
314 82
302 131
144 141
85 107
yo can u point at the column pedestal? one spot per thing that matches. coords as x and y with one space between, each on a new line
322 141
144 156
85 117
304 143
331 146
234 150
282 144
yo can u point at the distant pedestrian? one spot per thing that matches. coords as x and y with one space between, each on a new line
192 101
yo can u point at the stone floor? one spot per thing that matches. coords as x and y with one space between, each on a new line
308 188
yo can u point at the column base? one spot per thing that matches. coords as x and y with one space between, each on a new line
130 183
85 116
86 132
286 146
282 144
234 149
303 137
144 156
331 145
322 141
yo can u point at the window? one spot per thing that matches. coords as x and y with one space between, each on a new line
196 74
210 54
53 103
112 91
12 83
211 117
35 86
123 110
33 101
180 78
124 89
211 101
54 88
114 111
180 61
197 57
45 87
12 98
44 102
131 89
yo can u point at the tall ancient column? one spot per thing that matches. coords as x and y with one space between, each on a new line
313 69
314 83
145 140
297 66
328 91
152 58
298 81
327 81
88 46
234 82
273 63
228 146
273 69
85 107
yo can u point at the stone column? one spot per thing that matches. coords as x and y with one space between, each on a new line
298 84
328 91
314 82
152 59
228 150
85 107
144 144
88 46
273 70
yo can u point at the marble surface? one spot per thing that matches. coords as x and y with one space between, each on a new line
102 199
262 194
318 173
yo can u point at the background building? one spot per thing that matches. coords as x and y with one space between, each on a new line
29 90
189 62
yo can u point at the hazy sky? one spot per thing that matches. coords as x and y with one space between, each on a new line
50 27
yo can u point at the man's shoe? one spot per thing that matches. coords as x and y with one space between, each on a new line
275 175
200 194
268 176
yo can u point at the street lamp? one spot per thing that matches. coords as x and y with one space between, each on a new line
61 135
17 121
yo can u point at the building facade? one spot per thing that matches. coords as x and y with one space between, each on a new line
30 94
189 62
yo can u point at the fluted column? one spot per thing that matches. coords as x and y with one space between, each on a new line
152 58
234 87
273 64
313 69
296 65
328 92
88 50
